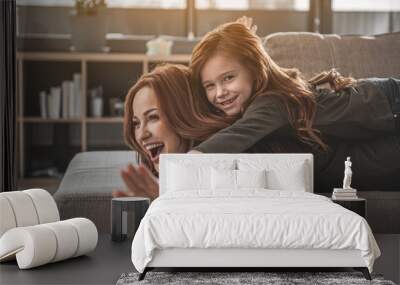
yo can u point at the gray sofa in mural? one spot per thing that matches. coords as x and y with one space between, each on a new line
360 57
86 187
85 190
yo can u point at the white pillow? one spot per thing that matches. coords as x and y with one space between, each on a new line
282 174
186 174
251 178
291 179
181 177
225 179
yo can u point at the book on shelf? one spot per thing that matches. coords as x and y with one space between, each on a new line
67 93
43 104
77 80
54 102
67 89
71 100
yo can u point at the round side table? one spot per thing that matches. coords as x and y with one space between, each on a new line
126 214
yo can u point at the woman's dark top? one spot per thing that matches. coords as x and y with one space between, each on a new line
361 112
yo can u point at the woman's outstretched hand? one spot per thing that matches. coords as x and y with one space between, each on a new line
248 22
139 182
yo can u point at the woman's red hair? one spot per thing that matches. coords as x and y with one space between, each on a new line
184 114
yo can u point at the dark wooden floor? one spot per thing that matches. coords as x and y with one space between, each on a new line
103 266
389 262
110 260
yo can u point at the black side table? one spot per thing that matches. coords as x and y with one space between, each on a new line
126 214
358 206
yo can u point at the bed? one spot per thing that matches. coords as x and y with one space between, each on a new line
247 210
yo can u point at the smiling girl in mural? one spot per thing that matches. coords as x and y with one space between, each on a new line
234 74
334 116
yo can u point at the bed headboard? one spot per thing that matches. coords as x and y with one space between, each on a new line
280 163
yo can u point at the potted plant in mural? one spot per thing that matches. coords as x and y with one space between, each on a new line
89 25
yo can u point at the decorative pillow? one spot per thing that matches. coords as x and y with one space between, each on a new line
292 179
181 177
282 174
223 179
251 178
187 174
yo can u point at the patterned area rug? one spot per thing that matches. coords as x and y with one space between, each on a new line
269 278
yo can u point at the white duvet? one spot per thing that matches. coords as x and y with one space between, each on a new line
250 219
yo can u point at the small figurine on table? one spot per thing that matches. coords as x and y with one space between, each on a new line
347 192
348 173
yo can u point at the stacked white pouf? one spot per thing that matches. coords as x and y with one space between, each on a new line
31 230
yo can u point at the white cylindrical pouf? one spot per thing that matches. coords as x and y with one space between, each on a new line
67 239
45 205
40 244
34 245
7 218
23 208
87 234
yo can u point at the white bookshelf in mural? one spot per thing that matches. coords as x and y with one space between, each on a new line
84 59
